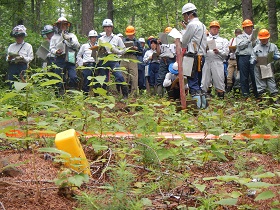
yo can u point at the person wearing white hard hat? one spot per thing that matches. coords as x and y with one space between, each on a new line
19 54
47 33
84 58
118 48
171 82
63 47
194 38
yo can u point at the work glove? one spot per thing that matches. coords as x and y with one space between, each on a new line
276 57
66 37
168 76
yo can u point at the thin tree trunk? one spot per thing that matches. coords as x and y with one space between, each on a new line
110 10
272 20
87 16
247 9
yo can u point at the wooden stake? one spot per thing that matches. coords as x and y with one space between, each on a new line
181 76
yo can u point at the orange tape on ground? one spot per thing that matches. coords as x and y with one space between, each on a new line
236 136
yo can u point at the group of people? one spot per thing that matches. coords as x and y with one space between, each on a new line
213 60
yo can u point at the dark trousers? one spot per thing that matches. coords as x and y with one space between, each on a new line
86 73
246 70
15 71
153 72
70 68
163 69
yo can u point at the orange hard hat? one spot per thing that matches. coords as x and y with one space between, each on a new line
214 23
130 30
247 23
263 34
167 29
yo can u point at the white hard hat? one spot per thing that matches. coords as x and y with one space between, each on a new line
175 66
19 30
119 35
188 7
141 40
61 19
107 22
92 33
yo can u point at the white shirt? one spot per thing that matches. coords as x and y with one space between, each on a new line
232 42
84 54
57 42
148 54
167 50
24 49
115 41
195 35
221 45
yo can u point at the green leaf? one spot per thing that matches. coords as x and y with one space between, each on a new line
20 85
265 175
227 201
146 202
265 195
49 82
216 152
54 150
200 187
235 194
8 96
78 179
98 147
258 185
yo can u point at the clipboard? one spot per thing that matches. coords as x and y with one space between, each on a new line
155 57
129 44
266 71
187 65
211 44
43 50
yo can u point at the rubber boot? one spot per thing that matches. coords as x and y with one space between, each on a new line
229 88
152 91
160 91
124 91
221 95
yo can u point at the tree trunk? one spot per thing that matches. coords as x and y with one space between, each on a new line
110 9
37 15
272 20
87 16
247 9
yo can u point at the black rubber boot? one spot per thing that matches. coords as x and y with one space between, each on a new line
124 91
221 95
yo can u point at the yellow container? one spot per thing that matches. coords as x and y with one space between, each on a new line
68 141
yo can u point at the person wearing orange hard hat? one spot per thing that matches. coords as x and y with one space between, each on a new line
131 77
244 48
213 69
262 50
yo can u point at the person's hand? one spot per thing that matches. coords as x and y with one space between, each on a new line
216 51
59 51
66 36
168 76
